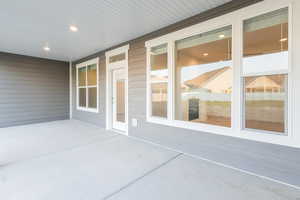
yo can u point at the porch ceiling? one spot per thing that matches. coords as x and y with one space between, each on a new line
27 26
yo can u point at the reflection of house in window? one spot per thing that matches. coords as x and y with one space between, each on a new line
159 95
159 81
212 92
263 84
203 74
265 102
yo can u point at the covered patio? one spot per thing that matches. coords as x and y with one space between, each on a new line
75 160
150 100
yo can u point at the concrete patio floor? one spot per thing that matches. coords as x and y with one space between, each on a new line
74 160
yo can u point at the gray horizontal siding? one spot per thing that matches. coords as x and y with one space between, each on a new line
32 90
275 161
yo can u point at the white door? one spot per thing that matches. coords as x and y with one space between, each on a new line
119 100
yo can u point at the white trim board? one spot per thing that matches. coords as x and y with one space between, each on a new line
117 51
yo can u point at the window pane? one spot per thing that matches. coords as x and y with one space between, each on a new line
265 99
82 76
159 99
92 74
121 100
266 42
117 58
82 97
203 78
159 80
92 97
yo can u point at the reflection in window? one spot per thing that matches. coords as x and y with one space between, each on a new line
121 100
92 75
266 42
159 81
92 97
82 97
159 99
266 52
82 76
203 78
265 99
87 86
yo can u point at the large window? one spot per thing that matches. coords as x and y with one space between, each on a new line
87 87
265 68
159 81
203 78
229 75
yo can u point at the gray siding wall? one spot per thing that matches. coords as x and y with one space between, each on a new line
137 67
274 161
97 119
32 90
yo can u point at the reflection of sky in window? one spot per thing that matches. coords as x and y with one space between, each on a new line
252 64
266 63
193 71
190 72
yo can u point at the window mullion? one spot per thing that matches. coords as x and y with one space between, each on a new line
86 86
237 86
149 88
171 68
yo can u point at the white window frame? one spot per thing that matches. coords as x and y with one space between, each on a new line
271 72
149 83
82 65
234 19
170 41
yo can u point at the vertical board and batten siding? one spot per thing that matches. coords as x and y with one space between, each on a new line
32 90
91 117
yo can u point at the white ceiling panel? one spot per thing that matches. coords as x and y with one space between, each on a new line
27 26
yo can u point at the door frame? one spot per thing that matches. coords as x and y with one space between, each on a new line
109 69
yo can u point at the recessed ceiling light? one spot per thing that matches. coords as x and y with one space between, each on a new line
221 36
205 54
283 39
73 28
46 48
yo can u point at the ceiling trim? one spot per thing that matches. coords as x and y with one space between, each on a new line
201 17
